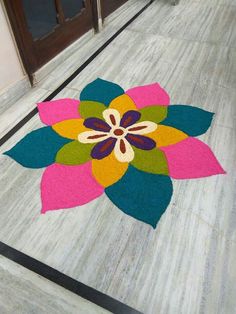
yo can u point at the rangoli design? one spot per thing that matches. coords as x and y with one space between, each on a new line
127 145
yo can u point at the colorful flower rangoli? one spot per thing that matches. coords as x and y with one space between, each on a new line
127 145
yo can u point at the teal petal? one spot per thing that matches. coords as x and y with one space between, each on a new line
37 149
144 196
191 120
101 91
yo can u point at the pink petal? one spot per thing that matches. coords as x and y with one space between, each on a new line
68 186
148 95
191 158
54 111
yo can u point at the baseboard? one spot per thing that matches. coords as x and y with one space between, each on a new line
13 92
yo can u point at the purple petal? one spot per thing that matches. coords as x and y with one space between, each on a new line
129 118
104 148
141 141
97 124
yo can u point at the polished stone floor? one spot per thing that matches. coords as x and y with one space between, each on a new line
186 265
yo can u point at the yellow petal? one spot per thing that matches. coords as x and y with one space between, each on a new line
123 103
166 135
70 128
108 170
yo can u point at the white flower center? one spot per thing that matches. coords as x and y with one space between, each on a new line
123 149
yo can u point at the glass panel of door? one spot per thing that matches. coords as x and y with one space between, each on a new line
41 17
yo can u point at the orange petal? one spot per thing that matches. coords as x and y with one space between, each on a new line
70 128
166 135
123 103
108 170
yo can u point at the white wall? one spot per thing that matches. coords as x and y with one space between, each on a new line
11 70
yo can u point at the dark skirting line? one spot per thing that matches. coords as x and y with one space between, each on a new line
40 268
65 281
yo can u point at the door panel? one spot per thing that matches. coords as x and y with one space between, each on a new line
108 6
44 28
72 7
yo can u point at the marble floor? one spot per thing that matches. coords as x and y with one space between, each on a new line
186 265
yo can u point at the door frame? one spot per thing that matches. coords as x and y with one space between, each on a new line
35 53
109 6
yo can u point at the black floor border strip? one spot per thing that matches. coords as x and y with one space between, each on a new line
66 282
31 114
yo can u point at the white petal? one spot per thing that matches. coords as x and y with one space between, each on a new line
112 117
92 137
125 156
143 127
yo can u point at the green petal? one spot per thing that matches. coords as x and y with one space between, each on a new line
152 161
74 153
88 109
153 113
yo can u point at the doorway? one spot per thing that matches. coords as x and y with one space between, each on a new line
44 28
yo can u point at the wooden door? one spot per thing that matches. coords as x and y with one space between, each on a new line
108 6
43 28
